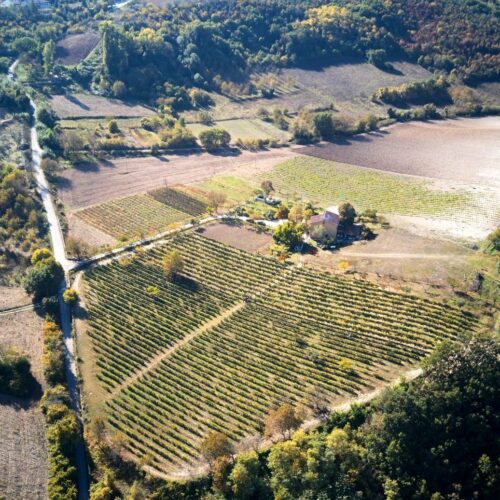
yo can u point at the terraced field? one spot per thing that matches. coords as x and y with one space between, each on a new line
196 357
135 215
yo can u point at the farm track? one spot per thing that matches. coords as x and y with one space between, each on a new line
58 249
212 323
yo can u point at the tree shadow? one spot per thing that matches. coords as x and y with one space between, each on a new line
187 283
71 98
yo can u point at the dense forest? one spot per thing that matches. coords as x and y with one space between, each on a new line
205 44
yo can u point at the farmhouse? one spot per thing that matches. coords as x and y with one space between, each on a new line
324 227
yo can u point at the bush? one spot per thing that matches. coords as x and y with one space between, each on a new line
178 137
46 116
70 296
15 374
214 138
53 353
119 89
431 91
288 234
113 127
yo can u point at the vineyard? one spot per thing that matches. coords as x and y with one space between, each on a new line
329 182
179 201
142 214
258 333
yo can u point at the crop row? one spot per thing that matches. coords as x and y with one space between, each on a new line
132 216
179 200
292 337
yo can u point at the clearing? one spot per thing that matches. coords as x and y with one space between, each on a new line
346 87
223 363
92 106
74 48
238 236
23 449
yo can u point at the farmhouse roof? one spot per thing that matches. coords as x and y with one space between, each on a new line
329 215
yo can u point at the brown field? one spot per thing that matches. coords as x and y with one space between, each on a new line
23 450
238 236
91 106
13 296
463 150
88 185
347 87
397 257
73 48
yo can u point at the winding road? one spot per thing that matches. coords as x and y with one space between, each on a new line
59 251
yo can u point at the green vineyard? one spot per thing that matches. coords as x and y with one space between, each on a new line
329 182
133 216
236 335
179 200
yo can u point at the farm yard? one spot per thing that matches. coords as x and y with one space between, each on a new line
75 47
144 214
92 106
225 362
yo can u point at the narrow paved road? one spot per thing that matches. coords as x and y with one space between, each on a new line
58 249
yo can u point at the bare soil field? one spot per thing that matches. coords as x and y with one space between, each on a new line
91 106
90 184
23 451
23 331
238 236
13 296
94 237
463 150
348 87
23 448
73 48
399 259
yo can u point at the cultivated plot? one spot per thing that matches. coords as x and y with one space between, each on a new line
92 106
224 343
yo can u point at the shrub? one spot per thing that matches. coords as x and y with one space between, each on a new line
15 374
177 137
216 445
113 127
53 353
288 234
214 138
70 296
119 89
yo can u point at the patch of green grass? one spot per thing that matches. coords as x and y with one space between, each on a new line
244 129
327 182
236 190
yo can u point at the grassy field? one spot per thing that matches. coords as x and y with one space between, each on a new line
194 357
245 129
133 216
327 183
235 189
